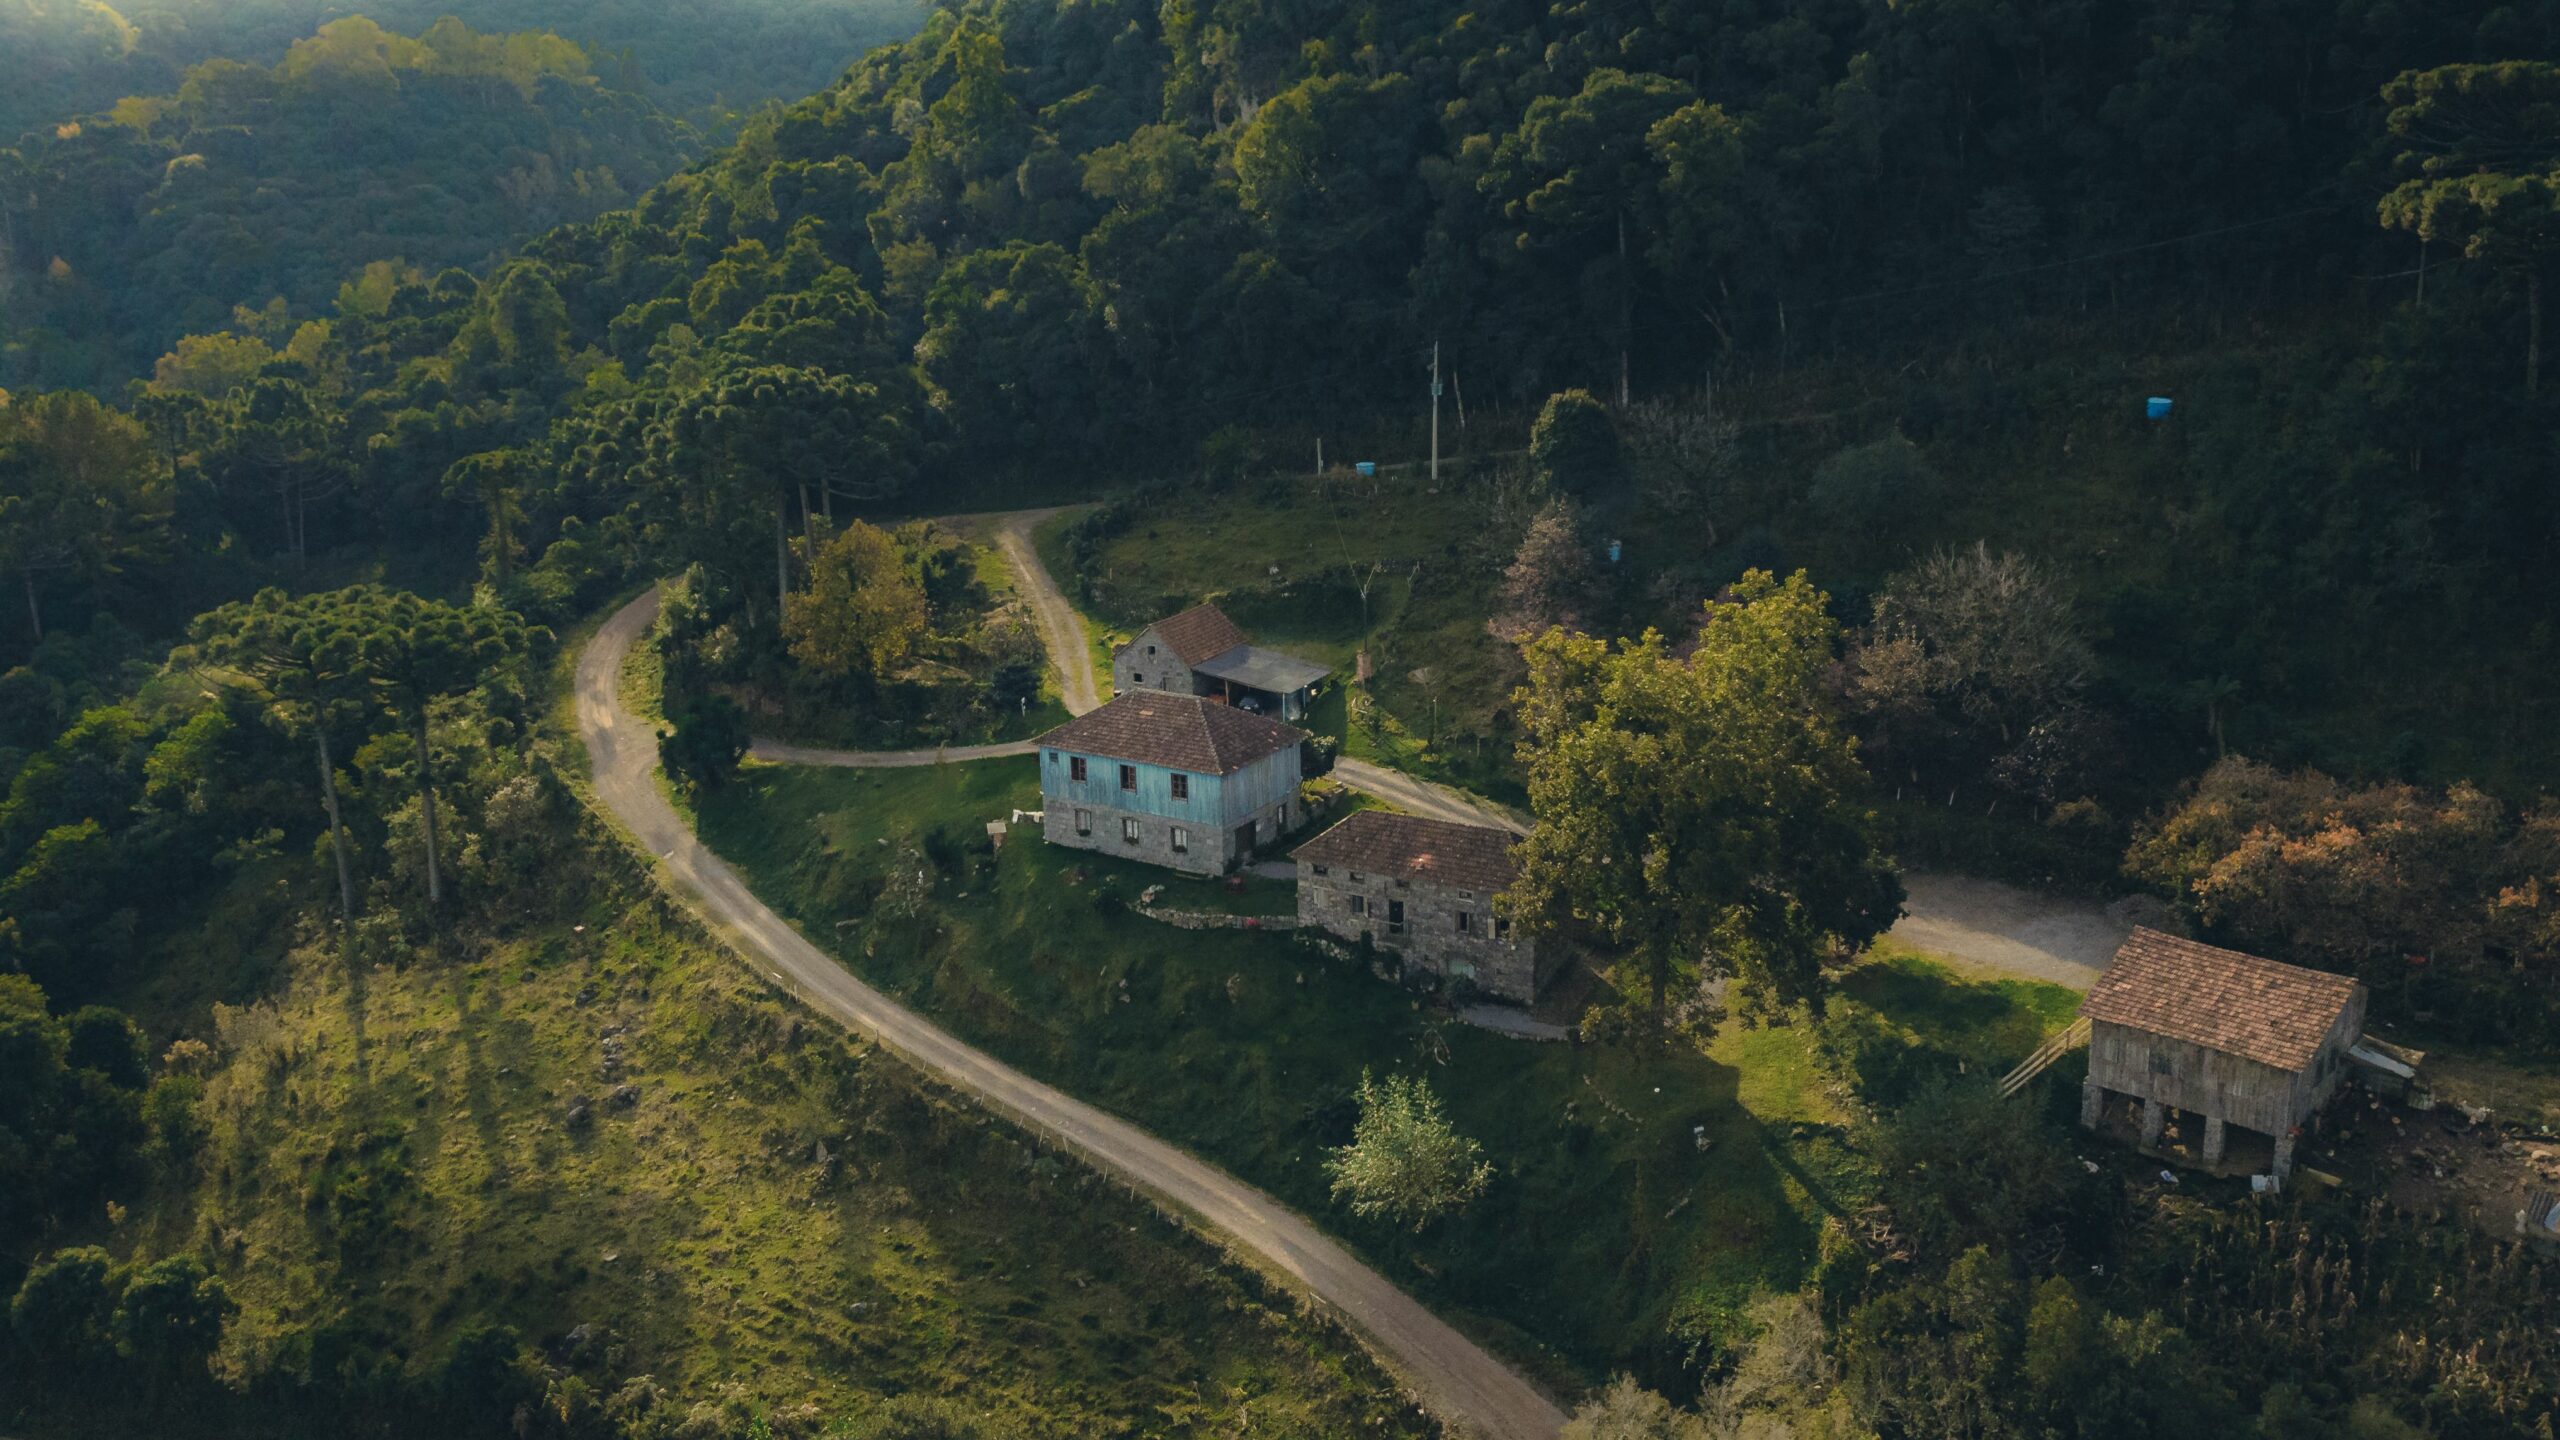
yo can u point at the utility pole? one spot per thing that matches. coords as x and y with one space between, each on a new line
1435 412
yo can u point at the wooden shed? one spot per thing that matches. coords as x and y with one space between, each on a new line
2231 1038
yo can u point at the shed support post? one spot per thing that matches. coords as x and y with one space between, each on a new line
2093 1103
2213 1139
2155 1118
2284 1155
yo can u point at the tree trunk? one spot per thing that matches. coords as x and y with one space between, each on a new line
781 552
35 612
427 803
2532 332
337 836
1626 309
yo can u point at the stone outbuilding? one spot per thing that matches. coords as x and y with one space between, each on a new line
1202 652
1423 889
2232 1039
1181 781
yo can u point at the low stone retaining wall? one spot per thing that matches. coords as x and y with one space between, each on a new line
1216 920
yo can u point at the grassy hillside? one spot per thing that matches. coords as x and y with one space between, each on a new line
1247 1048
772 1221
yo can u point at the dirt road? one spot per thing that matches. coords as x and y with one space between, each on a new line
1061 628
1455 1378
2019 932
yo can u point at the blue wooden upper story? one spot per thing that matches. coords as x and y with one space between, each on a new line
1068 777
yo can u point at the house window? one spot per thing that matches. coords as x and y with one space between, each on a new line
1129 829
1395 916
1084 822
1128 777
1466 923
1321 870
1075 768
2161 1064
1151 652
1181 841
1181 787
1053 757
1359 904
1137 679
1501 928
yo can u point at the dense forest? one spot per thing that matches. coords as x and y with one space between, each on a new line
1876 289
264 189
68 58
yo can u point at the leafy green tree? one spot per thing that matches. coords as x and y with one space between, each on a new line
1870 494
2483 152
83 493
864 609
1406 1163
497 479
1579 176
708 740
1574 445
64 1311
1706 809
416 652
1968 1169
1625 1410
170 1318
304 658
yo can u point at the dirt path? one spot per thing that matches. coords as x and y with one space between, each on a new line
1455 1378
2019 932
1061 628
1421 797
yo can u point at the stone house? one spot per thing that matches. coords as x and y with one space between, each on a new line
2227 1037
1423 889
1182 781
1202 652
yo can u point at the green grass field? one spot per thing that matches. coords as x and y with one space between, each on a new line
1609 1239
392 1157
1438 676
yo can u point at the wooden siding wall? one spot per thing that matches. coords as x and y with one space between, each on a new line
2208 1082
1215 800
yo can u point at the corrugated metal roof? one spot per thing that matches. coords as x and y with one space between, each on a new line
1274 670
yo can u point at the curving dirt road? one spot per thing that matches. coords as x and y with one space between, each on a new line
1061 628
1468 1388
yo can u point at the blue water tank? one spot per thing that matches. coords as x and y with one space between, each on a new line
2158 408
1367 467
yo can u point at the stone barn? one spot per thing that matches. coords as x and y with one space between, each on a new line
1423 889
1202 652
2229 1038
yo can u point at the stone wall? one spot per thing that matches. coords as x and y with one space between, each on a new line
1212 850
1430 939
1132 668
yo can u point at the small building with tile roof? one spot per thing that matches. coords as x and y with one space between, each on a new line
1202 652
1181 781
2230 1038
1422 889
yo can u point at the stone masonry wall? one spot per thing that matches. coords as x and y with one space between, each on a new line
1212 849
1430 939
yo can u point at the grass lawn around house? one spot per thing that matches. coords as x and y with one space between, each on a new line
1431 586
1609 1239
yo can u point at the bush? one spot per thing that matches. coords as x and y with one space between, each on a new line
709 739
1574 445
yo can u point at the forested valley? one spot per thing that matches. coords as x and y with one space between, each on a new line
354 364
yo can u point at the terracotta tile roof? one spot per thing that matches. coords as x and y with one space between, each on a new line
1408 847
1180 732
2238 1004
1202 632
